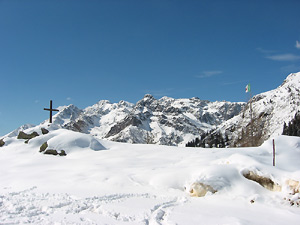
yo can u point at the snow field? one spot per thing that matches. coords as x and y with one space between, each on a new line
103 182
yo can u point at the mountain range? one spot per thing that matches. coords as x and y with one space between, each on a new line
169 121
164 121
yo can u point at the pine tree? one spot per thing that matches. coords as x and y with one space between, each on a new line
285 132
293 127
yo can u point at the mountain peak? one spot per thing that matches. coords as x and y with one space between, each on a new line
292 79
269 112
147 100
148 96
293 76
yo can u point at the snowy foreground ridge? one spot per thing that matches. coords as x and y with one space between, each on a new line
103 182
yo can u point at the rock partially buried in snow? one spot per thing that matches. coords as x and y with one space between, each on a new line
200 189
294 185
54 152
212 179
62 153
44 130
44 146
2 143
51 152
23 135
266 182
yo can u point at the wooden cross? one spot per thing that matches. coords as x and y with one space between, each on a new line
51 110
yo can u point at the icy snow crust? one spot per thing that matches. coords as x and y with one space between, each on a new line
103 182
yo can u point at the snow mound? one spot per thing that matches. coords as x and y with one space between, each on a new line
72 140
67 140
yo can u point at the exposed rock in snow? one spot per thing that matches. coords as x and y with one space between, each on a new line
293 185
2 143
23 135
44 146
266 182
44 130
200 189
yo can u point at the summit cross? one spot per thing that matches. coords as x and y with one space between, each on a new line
51 110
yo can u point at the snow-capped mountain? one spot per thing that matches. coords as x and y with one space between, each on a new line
95 120
269 112
171 121
164 121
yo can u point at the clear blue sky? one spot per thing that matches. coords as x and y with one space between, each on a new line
82 51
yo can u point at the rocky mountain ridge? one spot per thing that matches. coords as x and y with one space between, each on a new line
165 121
171 121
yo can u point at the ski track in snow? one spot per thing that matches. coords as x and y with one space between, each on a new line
160 212
30 206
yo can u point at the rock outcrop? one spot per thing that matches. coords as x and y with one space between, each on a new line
23 135
2 143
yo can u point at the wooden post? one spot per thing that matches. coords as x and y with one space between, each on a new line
51 110
273 152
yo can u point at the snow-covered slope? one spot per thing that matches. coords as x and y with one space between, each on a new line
270 110
103 182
